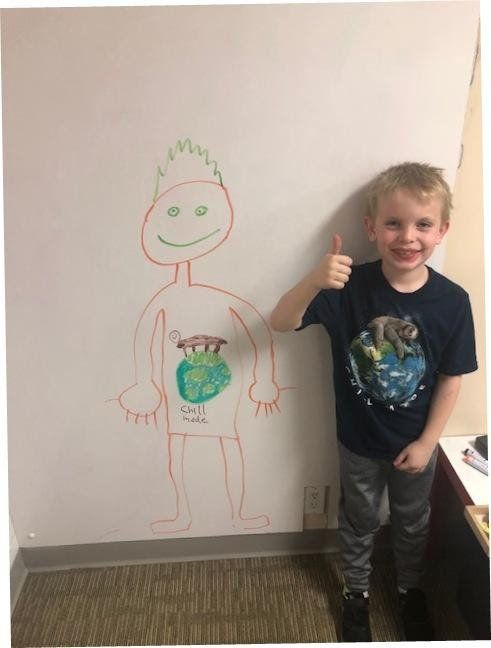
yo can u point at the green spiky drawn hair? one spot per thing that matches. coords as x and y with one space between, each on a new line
186 146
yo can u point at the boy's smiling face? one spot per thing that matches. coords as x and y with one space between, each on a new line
406 230
187 221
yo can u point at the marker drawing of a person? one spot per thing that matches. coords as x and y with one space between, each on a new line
195 375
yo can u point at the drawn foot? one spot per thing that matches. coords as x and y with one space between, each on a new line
181 523
256 522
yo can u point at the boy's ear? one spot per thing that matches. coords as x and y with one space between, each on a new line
369 226
443 230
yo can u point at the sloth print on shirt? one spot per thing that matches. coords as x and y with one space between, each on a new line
387 362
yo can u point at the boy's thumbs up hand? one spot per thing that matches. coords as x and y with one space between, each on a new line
334 270
337 244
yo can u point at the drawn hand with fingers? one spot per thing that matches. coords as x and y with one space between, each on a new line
186 345
141 400
265 394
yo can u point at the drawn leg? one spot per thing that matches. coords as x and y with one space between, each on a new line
182 521
234 482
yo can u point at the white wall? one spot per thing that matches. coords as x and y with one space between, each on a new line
13 544
300 105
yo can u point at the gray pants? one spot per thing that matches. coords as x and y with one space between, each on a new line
362 484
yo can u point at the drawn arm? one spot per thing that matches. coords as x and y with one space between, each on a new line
264 390
144 397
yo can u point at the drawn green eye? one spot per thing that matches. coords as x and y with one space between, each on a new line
173 211
201 210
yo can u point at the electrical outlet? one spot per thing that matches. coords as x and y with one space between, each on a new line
314 499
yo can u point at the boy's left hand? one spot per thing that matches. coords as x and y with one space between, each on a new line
414 458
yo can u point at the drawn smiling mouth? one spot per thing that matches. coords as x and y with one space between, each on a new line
203 238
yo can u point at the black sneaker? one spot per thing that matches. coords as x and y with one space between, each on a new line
415 618
356 623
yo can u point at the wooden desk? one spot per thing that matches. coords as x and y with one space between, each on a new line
456 486
470 485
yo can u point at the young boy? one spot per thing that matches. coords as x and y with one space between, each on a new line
401 337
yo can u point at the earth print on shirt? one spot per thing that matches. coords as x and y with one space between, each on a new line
387 362
202 374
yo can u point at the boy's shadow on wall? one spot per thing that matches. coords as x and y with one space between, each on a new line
309 351
347 221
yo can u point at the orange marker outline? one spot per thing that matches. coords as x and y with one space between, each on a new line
146 367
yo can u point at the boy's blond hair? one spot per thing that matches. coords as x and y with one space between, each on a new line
422 180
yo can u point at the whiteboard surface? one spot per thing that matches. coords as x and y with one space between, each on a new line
300 105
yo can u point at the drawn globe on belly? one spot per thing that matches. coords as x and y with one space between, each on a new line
202 374
381 374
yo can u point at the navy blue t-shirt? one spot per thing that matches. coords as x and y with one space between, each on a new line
388 349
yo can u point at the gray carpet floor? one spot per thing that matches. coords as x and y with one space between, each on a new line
281 599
